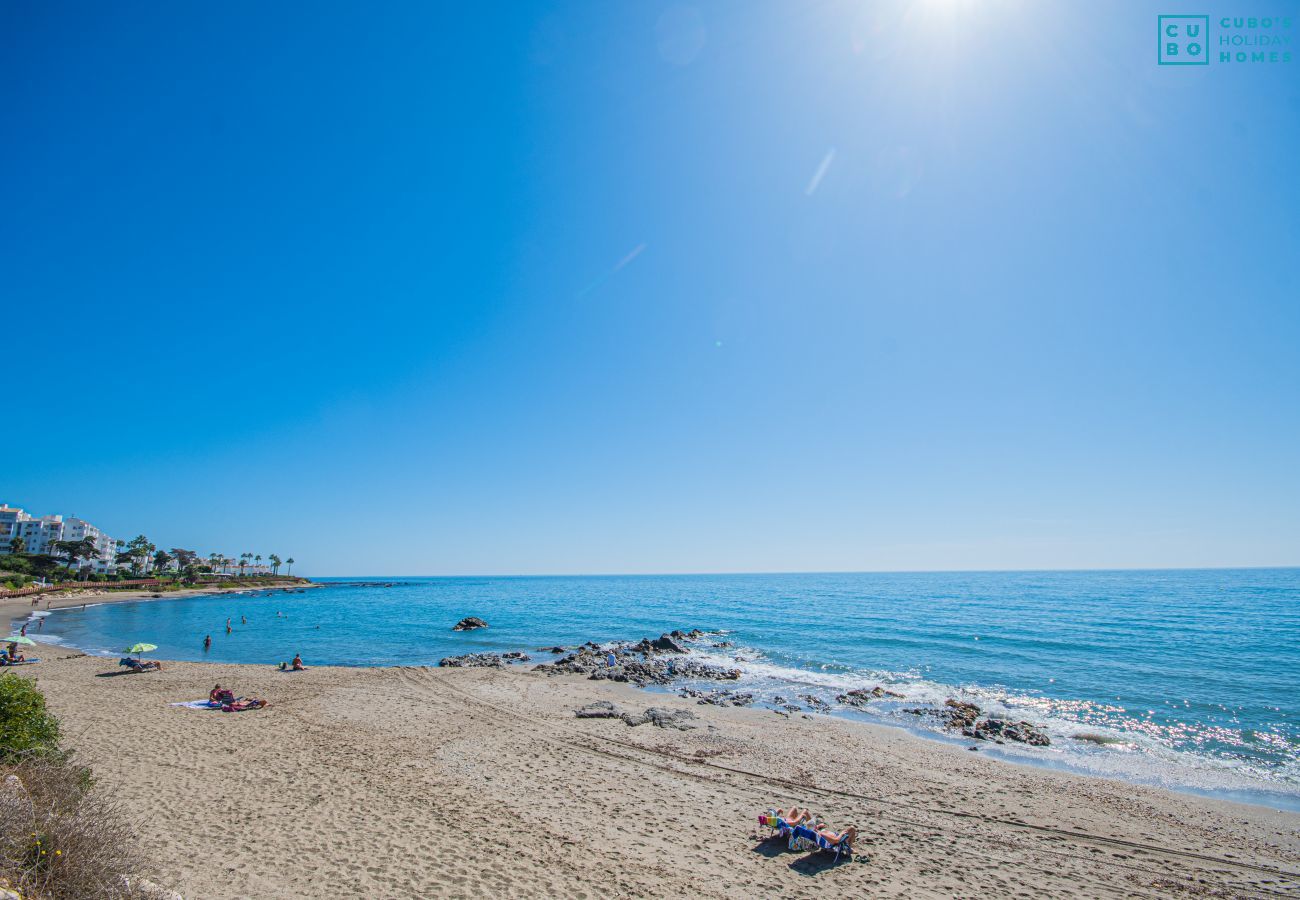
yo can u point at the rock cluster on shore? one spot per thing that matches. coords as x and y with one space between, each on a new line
966 718
483 660
722 697
469 623
657 661
860 697
657 716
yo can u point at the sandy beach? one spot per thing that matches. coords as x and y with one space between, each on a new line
417 782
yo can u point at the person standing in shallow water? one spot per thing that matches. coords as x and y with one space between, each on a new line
207 642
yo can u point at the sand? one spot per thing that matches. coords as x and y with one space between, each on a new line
418 782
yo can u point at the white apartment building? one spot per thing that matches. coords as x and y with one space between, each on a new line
40 534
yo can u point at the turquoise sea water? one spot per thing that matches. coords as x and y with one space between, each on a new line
1195 675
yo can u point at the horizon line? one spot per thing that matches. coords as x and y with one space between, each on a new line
829 572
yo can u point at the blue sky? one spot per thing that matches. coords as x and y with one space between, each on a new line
653 287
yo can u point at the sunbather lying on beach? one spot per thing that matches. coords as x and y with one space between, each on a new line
796 816
136 665
848 835
247 703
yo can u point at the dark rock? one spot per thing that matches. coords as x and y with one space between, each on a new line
966 718
555 650
601 709
719 697
516 656
857 698
814 701
638 664
667 643
469 623
662 718
473 661
960 715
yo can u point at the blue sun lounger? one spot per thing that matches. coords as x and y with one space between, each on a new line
804 838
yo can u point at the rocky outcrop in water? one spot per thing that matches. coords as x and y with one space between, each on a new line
722 697
659 661
469 623
860 697
967 718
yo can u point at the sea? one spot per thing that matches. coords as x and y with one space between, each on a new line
1186 679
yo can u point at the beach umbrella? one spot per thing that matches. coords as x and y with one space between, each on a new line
19 639
137 649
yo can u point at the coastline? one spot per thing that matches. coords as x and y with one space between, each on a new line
17 607
425 781
1112 765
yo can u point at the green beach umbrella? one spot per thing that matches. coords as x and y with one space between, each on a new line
19 639
137 649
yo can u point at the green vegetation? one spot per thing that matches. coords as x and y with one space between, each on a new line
59 838
26 728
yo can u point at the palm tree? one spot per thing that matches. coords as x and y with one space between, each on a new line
275 564
289 563
259 560
17 546
243 561
214 561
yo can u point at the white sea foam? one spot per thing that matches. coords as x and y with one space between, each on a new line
1131 750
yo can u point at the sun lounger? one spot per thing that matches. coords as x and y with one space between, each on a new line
774 824
804 838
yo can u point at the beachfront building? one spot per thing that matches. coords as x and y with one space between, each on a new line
40 534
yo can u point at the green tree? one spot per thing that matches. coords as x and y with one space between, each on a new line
17 546
160 560
259 560
138 550
243 561
289 562
75 550
25 725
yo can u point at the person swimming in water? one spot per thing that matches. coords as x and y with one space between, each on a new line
207 642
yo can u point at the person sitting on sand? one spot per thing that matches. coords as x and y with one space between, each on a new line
12 650
847 836
297 665
214 695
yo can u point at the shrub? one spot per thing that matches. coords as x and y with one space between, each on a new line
25 726
60 839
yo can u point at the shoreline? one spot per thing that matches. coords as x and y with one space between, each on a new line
1258 796
501 754
15 607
